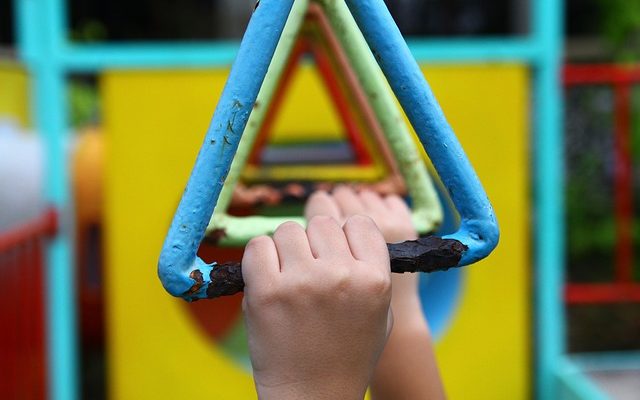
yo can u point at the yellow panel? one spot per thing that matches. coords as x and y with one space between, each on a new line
14 93
307 111
485 354
154 125
155 122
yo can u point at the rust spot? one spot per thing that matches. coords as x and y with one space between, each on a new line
215 236
197 276
226 280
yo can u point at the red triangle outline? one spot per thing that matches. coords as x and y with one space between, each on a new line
316 37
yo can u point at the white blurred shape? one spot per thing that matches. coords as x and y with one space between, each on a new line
21 175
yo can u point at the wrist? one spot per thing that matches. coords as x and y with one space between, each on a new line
408 319
324 389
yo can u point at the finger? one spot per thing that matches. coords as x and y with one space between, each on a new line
374 204
320 203
327 239
397 206
348 201
292 245
365 240
260 263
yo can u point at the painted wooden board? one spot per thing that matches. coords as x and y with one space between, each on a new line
484 335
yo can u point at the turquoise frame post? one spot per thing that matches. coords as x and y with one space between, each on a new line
49 56
41 33
549 197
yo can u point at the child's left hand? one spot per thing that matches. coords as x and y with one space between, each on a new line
393 218
407 368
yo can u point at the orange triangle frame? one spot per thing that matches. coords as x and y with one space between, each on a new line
362 128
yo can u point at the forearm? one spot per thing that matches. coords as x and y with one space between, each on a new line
321 389
407 368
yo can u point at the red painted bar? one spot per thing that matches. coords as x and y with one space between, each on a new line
623 184
307 44
342 106
602 293
278 97
605 74
22 333
621 79
43 226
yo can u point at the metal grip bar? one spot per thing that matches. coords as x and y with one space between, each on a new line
427 254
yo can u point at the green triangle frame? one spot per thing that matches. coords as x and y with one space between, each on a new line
427 211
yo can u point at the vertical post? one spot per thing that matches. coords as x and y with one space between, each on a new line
549 171
623 180
41 32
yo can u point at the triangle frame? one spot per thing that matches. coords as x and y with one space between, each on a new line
185 275
358 121
229 230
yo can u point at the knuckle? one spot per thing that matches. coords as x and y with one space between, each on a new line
378 284
301 287
265 297
359 220
257 243
289 226
288 229
319 195
341 278
321 221
369 194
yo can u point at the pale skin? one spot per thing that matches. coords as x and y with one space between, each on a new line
407 368
317 308
318 305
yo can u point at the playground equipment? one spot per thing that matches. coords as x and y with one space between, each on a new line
184 274
141 186
428 212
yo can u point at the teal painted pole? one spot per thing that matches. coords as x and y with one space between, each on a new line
549 171
41 32
95 57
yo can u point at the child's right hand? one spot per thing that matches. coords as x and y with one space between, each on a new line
316 307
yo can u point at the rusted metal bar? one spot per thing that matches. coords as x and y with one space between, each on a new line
428 254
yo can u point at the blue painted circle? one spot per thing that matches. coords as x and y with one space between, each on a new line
440 294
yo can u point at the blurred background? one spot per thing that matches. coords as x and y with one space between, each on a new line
103 106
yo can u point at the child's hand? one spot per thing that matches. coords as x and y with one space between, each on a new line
316 307
407 368
393 218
